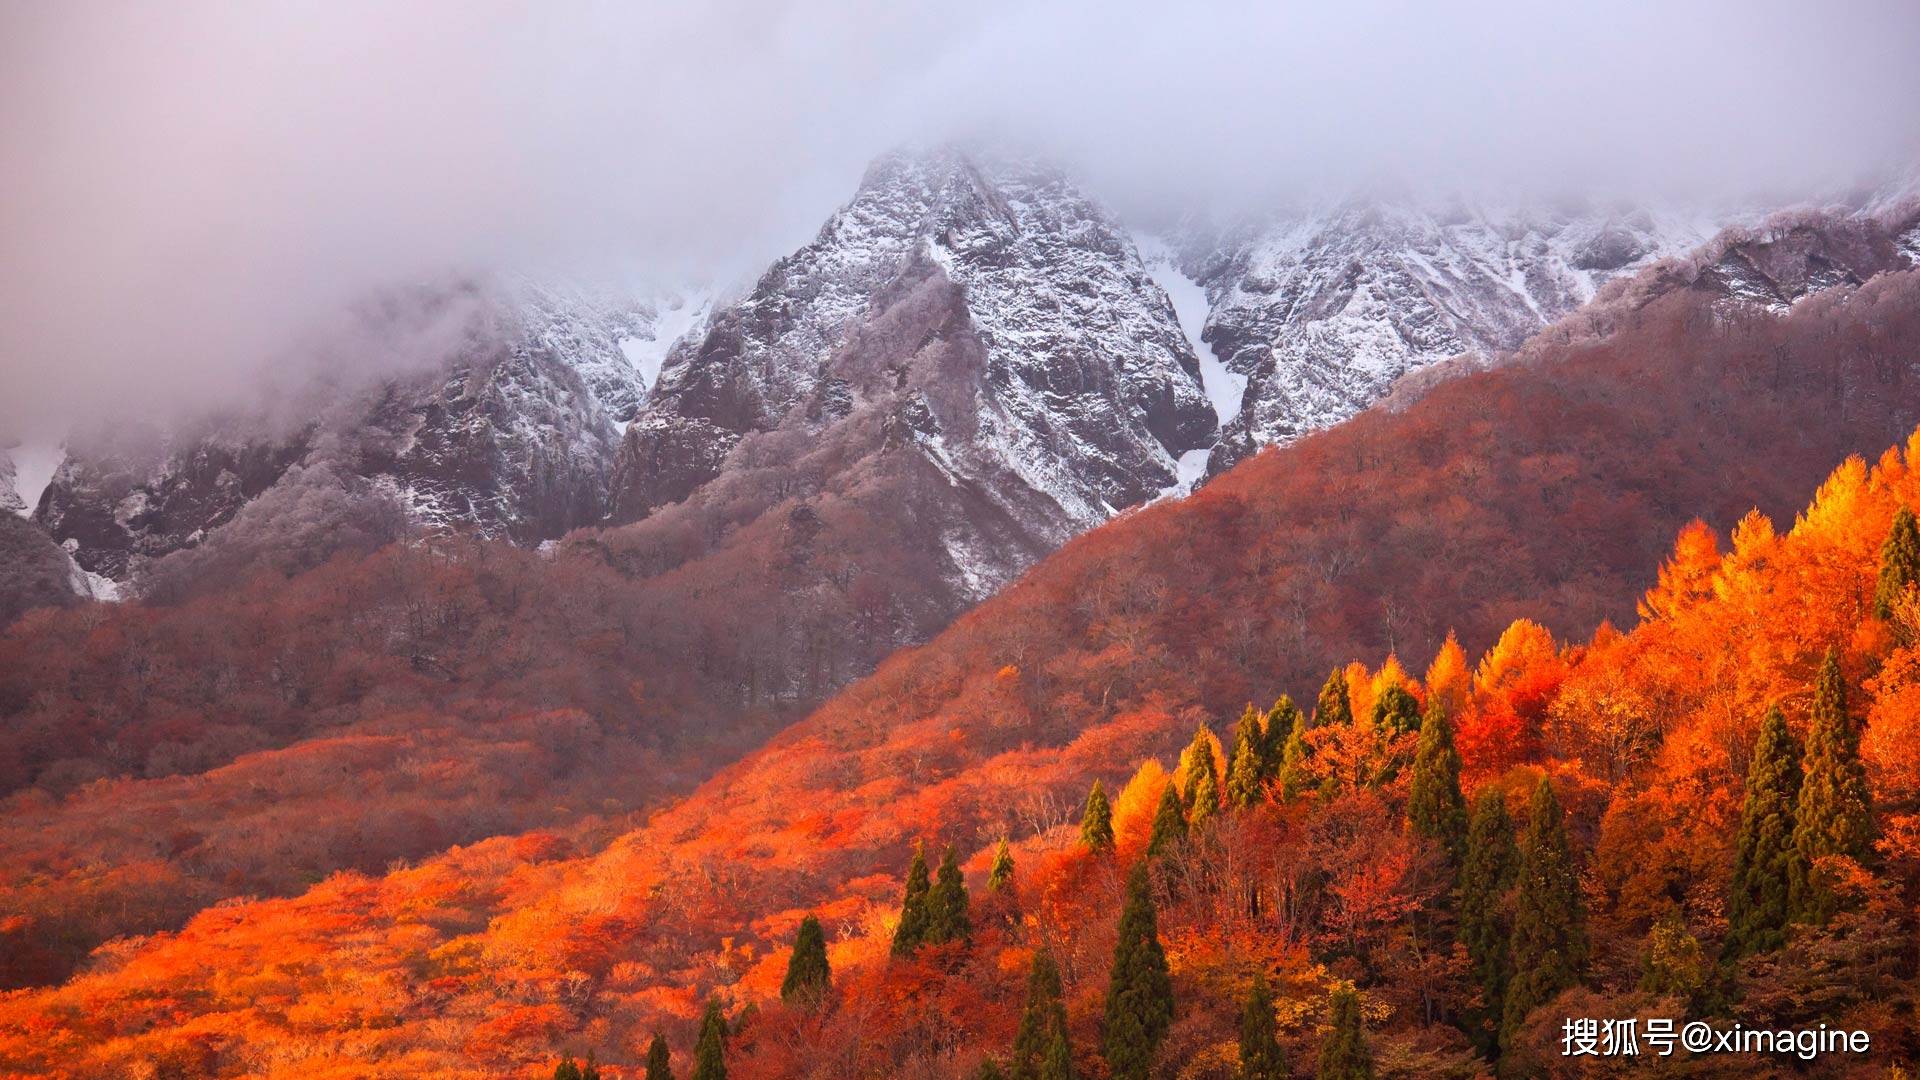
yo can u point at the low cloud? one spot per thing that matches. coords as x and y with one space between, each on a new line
191 186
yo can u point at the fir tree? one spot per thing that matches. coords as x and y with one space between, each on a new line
1765 862
1549 942
659 1066
1140 989
1260 1056
591 1069
1096 822
1246 765
1834 815
1058 1064
1169 821
1043 1022
1333 706
1294 777
808 975
1274 735
947 905
1673 964
1344 1055
1395 712
1001 874
568 1069
710 1053
915 916
1899 563
1203 780
1436 808
1486 876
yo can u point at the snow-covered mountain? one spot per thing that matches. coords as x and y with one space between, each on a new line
501 429
976 314
1062 388
12 501
1315 315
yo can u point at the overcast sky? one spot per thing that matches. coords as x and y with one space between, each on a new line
185 184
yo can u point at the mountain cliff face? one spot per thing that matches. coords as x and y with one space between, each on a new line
980 314
497 430
1320 313
1316 317
1065 392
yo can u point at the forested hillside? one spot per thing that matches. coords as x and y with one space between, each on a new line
1523 508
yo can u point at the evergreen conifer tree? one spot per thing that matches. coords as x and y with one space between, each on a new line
1899 563
1169 821
1096 822
1058 1064
947 905
1001 874
1834 815
1203 780
1260 1056
1436 808
1274 735
808 975
568 1069
710 1053
915 915
1395 711
1140 989
1486 876
1294 753
1246 765
1765 861
1673 964
1044 1020
1344 1055
1333 706
1549 942
659 1064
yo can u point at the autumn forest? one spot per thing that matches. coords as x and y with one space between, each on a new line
1582 687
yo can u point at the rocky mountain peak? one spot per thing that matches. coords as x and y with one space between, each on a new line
1322 310
1083 388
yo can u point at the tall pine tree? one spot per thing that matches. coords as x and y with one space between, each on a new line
659 1063
1899 563
1260 1056
1333 707
1765 862
947 905
1203 779
710 1053
1096 822
1549 943
1000 875
1436 808
1140 989
808 975
1274 734
1043 1022
1247 764
1344 1055
915 913
1169 821
1294 776
1395 711
1486 877
1834 815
